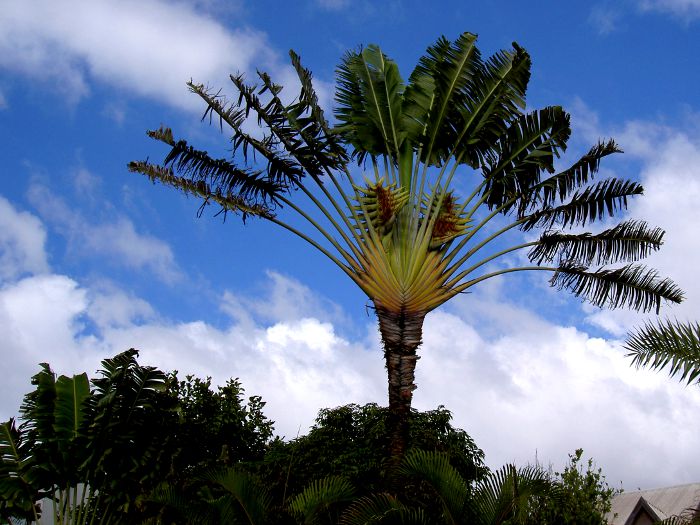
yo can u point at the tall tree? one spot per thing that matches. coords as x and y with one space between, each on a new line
400 231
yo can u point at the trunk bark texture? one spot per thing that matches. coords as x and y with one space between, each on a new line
401 335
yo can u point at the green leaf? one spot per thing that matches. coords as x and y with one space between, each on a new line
505 497
672 345
369 103
450 487
250 499
526 149
604 199
18 493
633 286
628 241
319 496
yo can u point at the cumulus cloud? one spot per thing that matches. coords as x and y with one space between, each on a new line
117 239
669 169
297 366
22 240
149 48
544 390
520 385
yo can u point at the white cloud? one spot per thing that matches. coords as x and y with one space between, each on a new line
670 173
530 387
282 299
22 239
147 47
545 390
117 239
111 307
680 8
297 366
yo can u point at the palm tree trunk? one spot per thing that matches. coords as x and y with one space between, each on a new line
401 336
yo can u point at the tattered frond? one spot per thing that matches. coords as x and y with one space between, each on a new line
674 346
527 148
591 204
282 169
560 186
275 117
228 203
628 241
633 286
321 130
220 175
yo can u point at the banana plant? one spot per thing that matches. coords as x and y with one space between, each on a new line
43 457
19 491
86 452
417 189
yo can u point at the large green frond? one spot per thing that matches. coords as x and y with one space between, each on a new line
628 241
526 149
633 286
369 103
434 467
674 346
319 496
71 395
249 498
505 497
603 199
418 102
451 68
497 98
560 186
38 407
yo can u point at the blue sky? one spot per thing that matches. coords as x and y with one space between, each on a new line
94 260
